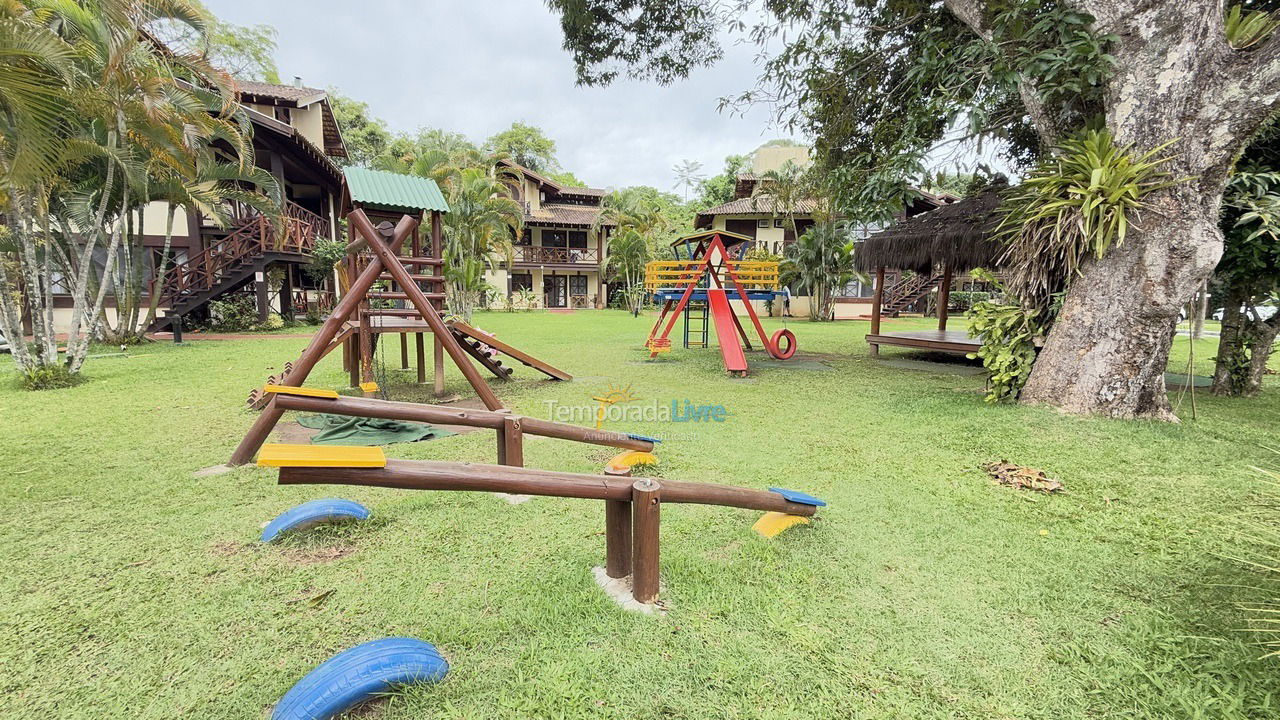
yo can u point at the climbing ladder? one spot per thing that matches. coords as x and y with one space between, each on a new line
695 324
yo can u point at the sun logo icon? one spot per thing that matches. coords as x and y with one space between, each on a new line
612 396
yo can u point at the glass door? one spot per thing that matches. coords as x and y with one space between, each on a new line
555 289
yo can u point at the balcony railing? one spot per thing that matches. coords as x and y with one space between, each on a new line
570 256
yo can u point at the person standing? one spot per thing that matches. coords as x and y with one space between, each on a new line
786 301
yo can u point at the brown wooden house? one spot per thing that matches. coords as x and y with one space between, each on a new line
295 138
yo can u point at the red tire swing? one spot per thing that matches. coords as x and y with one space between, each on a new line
776 348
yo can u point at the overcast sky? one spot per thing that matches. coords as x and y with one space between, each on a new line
476 66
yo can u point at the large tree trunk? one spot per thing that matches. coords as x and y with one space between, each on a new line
1263 344
1109 346
1176 80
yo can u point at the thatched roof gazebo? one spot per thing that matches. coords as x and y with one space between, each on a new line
955 237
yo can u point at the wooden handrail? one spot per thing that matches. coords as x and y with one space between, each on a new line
251 237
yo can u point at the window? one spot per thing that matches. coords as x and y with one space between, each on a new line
578 239
858 289
521 281
555 238
762 223
525 239
777 222
577 284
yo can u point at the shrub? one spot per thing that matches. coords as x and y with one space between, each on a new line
1077 202
236 313
273 322
48 377
324 256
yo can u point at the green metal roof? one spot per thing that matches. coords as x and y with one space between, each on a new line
375 188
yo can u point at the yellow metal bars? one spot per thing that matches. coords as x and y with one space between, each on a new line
677 274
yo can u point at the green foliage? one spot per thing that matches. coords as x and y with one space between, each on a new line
877 84
966 299
273 322
526 145
365 136
820 262
1008 351
1076 203
48 377
234 313
324 256
564 177
481 222
719 189
1247 28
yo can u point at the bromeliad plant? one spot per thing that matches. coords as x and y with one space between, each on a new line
1077 203
1246 28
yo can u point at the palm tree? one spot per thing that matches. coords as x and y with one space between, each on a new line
628 253
481 222
687 175
110 113
821 262
639 223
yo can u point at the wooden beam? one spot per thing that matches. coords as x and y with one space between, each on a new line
617 538
438 371
420 347
362 225
464 476
442 415
944 297
876 301
511 442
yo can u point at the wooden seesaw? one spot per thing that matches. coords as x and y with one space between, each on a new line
632 506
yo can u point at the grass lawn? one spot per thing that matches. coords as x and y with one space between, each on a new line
133 590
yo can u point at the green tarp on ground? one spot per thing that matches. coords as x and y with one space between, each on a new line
346 430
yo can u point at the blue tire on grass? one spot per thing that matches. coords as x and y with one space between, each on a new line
359 674
311 514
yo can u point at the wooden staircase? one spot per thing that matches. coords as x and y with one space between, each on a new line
226 265
907 292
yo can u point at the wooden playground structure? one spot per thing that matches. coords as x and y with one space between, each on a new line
374 254
702 285
632 507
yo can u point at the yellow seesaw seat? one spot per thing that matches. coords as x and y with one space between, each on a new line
303 391
631 458
772 523
282 455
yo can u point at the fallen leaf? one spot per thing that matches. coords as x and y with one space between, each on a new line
1023 478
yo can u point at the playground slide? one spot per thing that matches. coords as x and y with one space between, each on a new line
726 331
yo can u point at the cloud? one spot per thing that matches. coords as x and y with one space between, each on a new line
474 67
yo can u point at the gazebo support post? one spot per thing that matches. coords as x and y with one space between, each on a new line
877 298
944 297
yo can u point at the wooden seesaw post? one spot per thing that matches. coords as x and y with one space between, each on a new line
646 504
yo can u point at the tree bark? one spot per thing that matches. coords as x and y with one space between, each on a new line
1229 346
1259 353
1176 80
